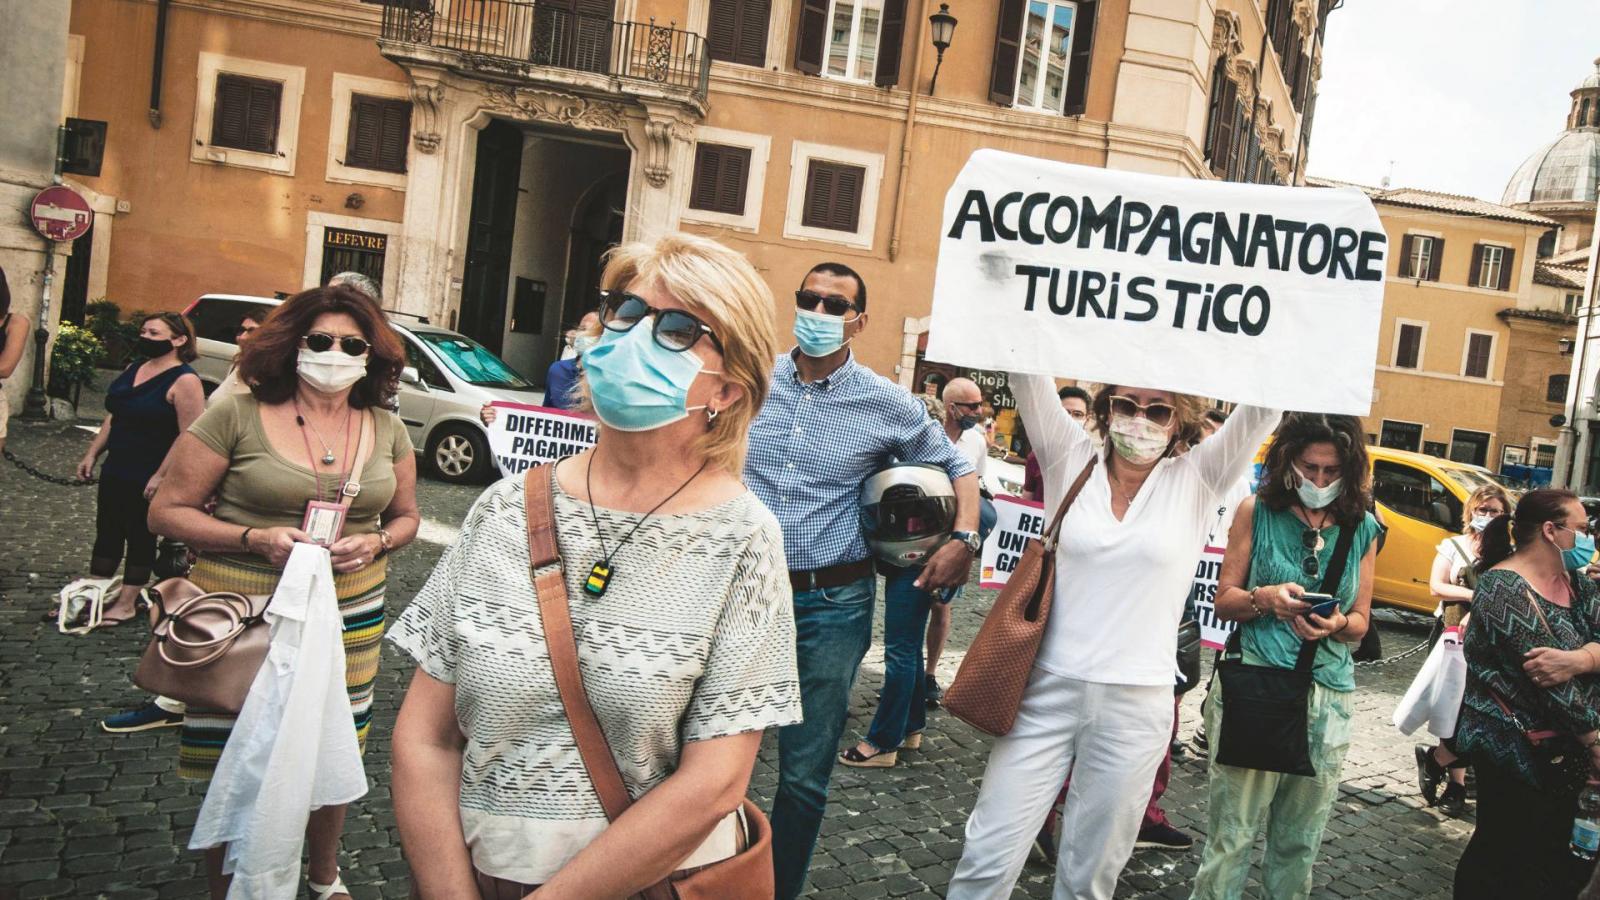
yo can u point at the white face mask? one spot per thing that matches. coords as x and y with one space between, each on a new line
1313 497
330 371
1479 523
1138 440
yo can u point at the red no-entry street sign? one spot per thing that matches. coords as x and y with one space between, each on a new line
60 214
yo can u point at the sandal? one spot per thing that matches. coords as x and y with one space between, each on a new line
328 891
913 741
883 759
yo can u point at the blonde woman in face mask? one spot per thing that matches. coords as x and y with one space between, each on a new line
321 369
1099 703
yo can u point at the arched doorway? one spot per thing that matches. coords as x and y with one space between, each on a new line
596 227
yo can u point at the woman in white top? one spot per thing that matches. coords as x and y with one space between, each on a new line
1448 582
1099 703
686 649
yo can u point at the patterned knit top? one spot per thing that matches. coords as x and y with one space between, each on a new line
693 639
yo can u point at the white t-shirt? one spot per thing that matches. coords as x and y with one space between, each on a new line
973 446
1120 586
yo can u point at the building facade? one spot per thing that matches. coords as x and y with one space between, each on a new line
480 155
1450 359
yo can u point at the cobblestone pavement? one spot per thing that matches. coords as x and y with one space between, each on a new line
88 814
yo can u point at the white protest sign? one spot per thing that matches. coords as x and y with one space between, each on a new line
1213 631
1017 521
1253 293
524 435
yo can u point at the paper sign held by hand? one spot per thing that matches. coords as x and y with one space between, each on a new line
1258 294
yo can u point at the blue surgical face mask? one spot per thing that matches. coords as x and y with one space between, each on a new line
1313 497
635 383
818 334
1582 550
966 422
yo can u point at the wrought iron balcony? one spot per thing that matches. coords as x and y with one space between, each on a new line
518 39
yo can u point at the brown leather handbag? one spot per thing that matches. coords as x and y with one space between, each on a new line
207 647
988 688
747 875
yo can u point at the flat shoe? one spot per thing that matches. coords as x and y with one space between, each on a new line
883 759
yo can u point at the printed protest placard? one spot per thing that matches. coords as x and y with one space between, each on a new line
1213 631
1016 522
1213 288
524 435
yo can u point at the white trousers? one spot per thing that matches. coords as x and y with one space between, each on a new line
1111 738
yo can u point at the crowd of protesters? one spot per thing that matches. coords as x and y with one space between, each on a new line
701 576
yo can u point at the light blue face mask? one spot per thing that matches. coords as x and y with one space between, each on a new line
1582 550
1313 497
817 334
635 383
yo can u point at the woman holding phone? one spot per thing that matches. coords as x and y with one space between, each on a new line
1280 546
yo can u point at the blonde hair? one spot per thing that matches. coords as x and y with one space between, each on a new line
1188 410
720 287
1477 498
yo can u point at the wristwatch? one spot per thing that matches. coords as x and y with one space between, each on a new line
971 539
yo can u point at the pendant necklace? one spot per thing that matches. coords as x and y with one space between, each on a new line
1317 528
316 477
601 573
327 451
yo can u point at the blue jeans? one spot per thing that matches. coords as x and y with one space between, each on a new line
987 517
833 629
902 707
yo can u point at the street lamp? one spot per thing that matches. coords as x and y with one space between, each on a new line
944 27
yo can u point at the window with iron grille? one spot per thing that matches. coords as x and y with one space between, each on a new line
380 128
245 114
1555 390
833 196
721 178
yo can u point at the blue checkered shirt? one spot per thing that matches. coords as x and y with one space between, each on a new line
812 445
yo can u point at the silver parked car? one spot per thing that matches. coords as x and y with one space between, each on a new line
447 380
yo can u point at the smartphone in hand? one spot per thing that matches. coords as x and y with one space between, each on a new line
1321 604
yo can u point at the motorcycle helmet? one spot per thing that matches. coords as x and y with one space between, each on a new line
907 510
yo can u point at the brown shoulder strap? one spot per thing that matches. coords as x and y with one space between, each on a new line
363 451
1066 503
562 647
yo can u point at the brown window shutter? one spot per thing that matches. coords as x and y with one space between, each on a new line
262 130
833 196
847 197
1435 259
1507 255
394 136
1226 105
229 108
891 37
722 29
1082 56
1477 265
721 176
1406 245
362 138
812 41
755 18
245 113
1007 52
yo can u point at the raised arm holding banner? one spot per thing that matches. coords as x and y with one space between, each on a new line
1220 289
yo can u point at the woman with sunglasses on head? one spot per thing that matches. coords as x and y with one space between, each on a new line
1451 581
153 401
679 606
1314 488
1533 654
320 369
1099 703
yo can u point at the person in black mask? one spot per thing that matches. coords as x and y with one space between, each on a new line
153 401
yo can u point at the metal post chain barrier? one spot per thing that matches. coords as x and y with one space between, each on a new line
1426 642
46 476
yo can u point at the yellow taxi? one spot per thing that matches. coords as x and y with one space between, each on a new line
1421 499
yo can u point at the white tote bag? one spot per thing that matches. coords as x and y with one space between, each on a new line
1434 698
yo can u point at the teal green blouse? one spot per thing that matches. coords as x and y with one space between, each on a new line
1275 558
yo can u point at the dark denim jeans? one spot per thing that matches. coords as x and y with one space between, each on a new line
833 629
902 707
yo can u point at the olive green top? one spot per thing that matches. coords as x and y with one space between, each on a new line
263 489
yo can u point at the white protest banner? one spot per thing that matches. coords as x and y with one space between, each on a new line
1016 521
1252 293
524 435
1213 631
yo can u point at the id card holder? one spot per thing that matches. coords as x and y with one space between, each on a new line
323 522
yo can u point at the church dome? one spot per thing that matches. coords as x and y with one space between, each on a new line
1563 171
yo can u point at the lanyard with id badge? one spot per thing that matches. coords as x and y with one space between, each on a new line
324 519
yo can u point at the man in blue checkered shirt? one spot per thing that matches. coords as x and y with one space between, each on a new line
828 424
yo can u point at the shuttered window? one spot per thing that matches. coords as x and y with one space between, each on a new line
1042 51
245 113
721 177
1219 118
1420 255
1479 347
380 127
1408 346
833 196
737 31
1491 267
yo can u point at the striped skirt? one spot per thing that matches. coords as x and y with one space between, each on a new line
360 605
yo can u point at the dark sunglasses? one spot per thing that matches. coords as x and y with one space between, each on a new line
673 329
1158 413
833 306
973 407
1311 540
246 329
319 342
